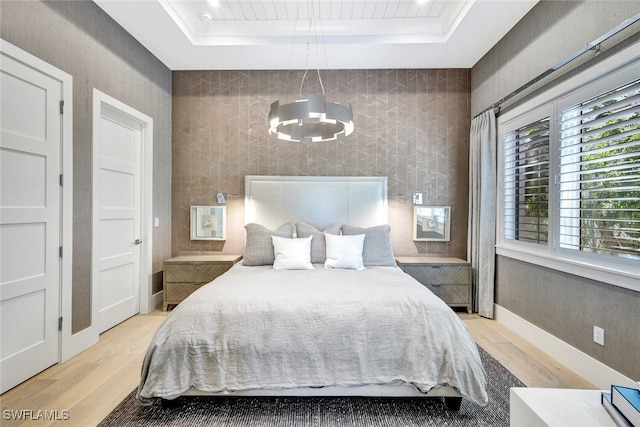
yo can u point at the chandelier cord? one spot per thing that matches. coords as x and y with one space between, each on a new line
306 65
293 43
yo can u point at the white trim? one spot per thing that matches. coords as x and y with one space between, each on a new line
147 302
68 341
78 342
594 270
156 300
100 99
581 363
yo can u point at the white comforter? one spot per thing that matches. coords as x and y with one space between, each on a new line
259 328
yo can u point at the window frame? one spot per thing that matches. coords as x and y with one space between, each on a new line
607 74
565 104
538 115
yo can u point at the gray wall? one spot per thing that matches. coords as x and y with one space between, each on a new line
568 307
564 305
80 39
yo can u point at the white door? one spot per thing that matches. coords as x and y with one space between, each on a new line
117 219
30 236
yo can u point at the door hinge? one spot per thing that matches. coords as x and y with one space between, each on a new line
61 180
60 323
60 251
62 106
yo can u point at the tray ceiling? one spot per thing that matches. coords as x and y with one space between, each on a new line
310 34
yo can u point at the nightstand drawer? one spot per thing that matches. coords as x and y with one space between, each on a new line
178 291
448 278
451 294
439 274
202 273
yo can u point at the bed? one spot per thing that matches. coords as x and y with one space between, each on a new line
302 315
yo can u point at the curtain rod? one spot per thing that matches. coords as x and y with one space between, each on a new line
594 45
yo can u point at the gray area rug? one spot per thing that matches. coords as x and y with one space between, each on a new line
322 411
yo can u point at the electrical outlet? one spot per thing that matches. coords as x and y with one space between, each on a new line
598 335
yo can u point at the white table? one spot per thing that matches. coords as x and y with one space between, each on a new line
537 407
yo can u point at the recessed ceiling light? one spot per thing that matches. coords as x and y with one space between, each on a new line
206 16
214 4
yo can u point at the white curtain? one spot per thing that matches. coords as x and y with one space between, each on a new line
482 209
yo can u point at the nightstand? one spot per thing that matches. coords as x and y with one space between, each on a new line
447 277
186 273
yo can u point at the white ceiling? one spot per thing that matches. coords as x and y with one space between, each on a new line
310 34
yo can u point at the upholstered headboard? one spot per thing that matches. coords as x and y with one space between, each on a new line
316 200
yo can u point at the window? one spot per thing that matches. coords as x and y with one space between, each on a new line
569 175
600 174
526 177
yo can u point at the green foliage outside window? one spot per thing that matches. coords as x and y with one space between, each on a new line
610 205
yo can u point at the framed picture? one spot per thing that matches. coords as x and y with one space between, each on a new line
431 223
208 222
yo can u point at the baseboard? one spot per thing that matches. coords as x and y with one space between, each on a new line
579 362
156 300
73 344
78 342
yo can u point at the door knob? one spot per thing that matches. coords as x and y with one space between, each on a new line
137 242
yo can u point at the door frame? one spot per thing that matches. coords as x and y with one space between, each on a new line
68 343
102 101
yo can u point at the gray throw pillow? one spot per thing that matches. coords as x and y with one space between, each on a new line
377 249
318 243
258 249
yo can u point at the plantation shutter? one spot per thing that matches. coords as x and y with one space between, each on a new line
526 154
599 192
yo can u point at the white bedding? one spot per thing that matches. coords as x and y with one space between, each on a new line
260 328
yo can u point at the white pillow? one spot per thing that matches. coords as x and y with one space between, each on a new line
344 251
292 254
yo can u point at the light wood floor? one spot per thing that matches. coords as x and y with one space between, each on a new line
92 383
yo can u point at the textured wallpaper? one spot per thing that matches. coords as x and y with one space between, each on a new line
410 125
